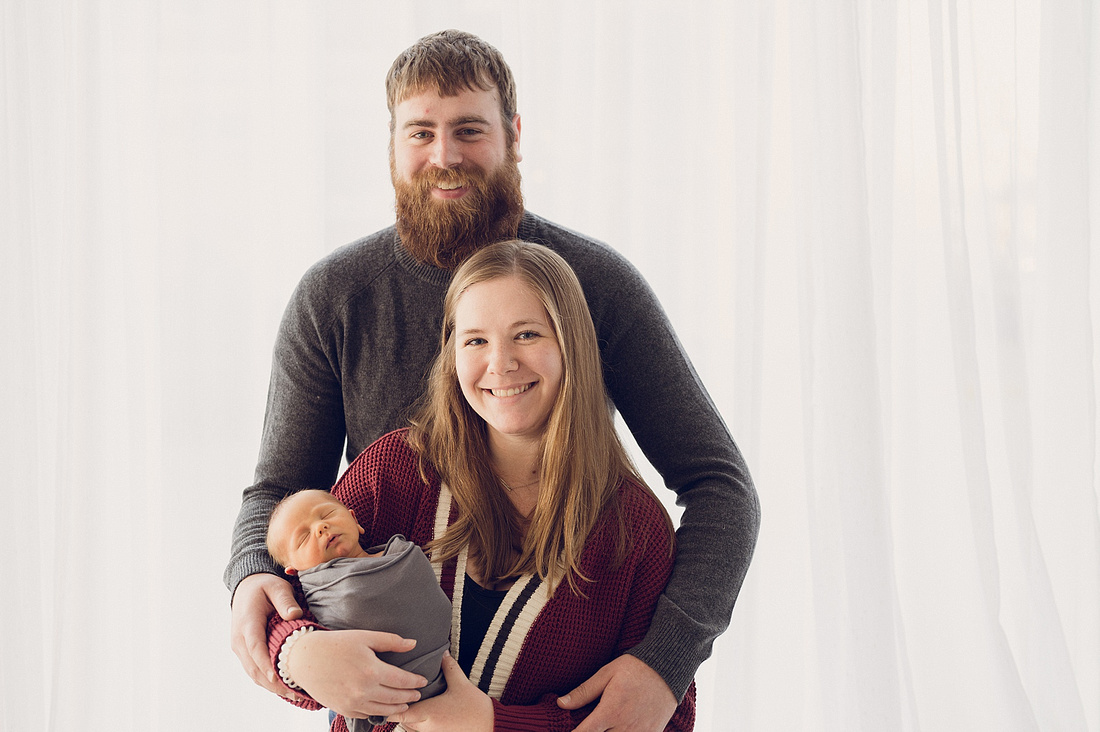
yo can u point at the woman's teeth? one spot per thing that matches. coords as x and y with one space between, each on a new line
510 392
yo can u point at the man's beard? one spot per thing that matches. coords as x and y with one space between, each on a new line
446 232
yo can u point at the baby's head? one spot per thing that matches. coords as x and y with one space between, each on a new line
311 527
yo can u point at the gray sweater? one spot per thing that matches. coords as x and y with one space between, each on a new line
352 357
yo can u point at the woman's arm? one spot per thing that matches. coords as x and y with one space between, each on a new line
340 670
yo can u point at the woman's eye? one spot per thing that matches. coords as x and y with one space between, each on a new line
527 335
475 342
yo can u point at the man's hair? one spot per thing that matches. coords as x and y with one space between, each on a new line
449 62
582 461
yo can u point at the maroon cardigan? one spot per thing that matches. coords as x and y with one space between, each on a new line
572 636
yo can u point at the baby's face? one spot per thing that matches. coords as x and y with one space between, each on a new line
313 528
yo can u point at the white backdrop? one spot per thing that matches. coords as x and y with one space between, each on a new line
871 222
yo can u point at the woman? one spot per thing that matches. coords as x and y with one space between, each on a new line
512 476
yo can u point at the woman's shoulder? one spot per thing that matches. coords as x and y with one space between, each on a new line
390 449
389 459
639 506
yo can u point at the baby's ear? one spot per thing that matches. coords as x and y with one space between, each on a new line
291 571
361 529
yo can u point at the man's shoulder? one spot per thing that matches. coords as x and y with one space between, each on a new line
589 257
346 274
365 256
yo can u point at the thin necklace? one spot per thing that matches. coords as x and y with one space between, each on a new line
517 487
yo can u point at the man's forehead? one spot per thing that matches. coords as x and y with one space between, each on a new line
430 101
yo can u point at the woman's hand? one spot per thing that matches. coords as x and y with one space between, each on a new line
340 670
461 708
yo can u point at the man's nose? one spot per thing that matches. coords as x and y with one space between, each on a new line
445 152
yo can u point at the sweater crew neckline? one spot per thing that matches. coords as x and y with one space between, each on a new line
427 272
437 275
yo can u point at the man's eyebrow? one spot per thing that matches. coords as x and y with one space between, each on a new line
471 119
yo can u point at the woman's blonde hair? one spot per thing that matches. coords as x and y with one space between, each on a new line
582 461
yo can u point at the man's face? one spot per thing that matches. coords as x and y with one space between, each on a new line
434 133
455 175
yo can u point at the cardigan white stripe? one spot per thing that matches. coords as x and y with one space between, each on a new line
513 644
525 618
442 515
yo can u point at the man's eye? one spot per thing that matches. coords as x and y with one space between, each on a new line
421 135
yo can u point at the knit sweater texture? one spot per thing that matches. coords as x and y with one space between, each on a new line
551 647
352 356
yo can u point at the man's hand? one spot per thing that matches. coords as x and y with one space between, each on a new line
256 598
461 708
632 696
341 671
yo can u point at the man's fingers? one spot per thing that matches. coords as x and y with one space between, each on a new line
257 596
282 599
587 692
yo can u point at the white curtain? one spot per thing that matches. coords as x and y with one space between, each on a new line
871 222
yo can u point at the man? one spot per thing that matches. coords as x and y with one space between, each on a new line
363 327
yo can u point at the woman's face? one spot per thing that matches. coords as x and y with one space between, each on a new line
507 357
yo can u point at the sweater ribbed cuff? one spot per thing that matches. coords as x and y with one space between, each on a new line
674 647
246 565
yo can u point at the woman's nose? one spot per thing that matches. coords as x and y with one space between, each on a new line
503 360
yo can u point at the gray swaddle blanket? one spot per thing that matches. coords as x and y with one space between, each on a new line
396 593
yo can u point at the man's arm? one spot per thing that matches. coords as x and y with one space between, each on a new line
302 439
678 428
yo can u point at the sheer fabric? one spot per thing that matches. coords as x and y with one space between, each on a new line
871 223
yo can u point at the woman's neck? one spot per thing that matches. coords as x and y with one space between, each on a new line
515 461
516 464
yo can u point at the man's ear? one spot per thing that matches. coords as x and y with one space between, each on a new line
291 571
516 126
